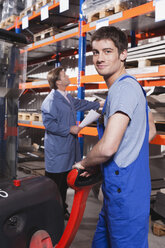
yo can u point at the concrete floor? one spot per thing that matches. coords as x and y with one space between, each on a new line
84 236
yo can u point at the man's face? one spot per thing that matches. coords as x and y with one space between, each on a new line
106 57
64 79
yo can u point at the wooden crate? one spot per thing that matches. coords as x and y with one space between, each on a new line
94 16
34 7
41 3
8 21
102 11
158 228
158 114
27 11
20 116
120 7
24 116
37 117
44 34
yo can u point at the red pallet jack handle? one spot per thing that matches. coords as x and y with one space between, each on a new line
41 239
78 207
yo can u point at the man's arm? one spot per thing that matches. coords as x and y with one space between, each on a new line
55 127
109 143
83 105
152 128
75 129
52 125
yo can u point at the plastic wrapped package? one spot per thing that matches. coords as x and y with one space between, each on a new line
20 5
11 7
121 5
1 7
29 3
95 2
134 3
91 6
6 9
113 6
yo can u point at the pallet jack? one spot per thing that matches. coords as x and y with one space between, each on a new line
31 212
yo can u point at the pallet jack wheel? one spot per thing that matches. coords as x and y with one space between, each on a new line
41 239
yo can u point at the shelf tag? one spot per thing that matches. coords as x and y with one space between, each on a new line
102 22
25 22
64 5
44 12
159 10
29 3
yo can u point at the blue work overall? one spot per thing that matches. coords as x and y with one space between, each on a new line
124 218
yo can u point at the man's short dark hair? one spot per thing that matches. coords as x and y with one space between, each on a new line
53 76
112 33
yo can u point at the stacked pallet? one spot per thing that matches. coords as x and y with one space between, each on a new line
36 117
157 106
22 116
8 21
27 11
101 9
41 3
35 7
44 34
146 55
96 9
158 228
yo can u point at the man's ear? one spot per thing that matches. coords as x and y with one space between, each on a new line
123 55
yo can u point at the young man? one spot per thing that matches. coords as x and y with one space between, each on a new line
122 150
59 118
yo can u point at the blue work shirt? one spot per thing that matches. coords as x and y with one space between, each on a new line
126 96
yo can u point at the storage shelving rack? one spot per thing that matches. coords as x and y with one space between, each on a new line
75 40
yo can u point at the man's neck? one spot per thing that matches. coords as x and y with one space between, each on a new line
112 78
62 89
